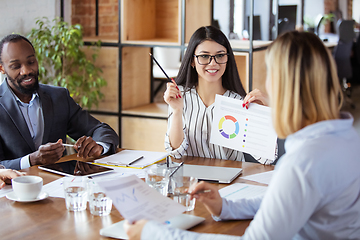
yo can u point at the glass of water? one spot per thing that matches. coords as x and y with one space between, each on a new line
181 187
99 203
75 189
157 177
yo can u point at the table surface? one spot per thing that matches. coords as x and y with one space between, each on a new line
49 219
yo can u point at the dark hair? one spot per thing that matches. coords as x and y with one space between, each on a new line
12 38
188 76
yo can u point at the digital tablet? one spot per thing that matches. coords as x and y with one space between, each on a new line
76 168
212 173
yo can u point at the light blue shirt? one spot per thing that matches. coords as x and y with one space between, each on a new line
32 113
314 192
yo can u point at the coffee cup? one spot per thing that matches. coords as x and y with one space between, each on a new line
27 187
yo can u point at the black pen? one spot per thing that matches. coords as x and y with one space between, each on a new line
133 161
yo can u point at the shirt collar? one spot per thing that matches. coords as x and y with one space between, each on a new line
321 128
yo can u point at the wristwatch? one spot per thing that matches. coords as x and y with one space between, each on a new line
2 167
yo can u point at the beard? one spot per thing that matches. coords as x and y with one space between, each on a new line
28 90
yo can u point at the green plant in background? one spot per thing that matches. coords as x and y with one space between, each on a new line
62 62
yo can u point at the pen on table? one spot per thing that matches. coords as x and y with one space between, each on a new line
133 161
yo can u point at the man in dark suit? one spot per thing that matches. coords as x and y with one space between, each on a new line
35 118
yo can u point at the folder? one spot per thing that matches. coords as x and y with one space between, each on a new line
132 159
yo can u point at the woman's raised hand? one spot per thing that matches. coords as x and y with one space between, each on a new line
172 96
256 96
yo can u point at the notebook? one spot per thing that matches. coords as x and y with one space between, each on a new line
211 173
182 221
132 159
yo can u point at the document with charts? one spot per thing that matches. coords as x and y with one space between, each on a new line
135 200
246 130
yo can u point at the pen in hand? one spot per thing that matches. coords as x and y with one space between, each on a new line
187 193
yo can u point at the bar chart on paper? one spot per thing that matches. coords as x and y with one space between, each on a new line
247 130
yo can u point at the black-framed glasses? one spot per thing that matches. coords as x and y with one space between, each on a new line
205 59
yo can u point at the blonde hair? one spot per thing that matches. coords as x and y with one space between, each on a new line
304 86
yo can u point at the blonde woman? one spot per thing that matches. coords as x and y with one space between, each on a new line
314 193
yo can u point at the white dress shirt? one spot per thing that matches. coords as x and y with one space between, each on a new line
314 193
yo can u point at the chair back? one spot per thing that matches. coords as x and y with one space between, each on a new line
346 30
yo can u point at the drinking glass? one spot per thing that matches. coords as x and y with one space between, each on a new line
181 187
99 203
75 193
157 177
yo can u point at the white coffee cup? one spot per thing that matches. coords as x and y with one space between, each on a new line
27 187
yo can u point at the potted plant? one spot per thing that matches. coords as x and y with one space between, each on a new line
58 48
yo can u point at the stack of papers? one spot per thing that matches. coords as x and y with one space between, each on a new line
132 159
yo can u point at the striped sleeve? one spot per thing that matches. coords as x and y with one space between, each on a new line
179 152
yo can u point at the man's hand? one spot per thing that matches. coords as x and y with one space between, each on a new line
7 174
47 154
87 147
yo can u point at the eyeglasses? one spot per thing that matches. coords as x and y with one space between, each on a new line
206 59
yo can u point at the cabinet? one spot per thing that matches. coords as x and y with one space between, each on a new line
144 24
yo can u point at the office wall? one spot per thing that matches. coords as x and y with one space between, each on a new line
222 14
19 16
356 10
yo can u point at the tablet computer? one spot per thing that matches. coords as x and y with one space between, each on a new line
76 168
212 173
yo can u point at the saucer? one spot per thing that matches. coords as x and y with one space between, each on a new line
12 196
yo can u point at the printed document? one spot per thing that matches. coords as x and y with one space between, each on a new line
246 130
241 190
135 200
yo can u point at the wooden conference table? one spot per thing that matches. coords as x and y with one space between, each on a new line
49 218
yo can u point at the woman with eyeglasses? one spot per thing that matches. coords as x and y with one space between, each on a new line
315 189
208 68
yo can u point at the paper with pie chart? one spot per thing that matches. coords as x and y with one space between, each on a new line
246 130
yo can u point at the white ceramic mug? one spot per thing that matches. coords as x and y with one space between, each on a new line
27 187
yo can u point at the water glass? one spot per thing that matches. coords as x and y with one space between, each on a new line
99 203
75 193
181 186
157 177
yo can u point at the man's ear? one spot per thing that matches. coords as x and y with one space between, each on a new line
2 70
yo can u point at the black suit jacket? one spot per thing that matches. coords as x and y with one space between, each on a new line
62 116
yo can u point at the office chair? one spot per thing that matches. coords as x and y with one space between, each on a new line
342 55
281 151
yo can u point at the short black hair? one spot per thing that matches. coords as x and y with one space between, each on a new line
12 38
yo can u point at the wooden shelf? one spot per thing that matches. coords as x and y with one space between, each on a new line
102 39
151 21
245 44
159 110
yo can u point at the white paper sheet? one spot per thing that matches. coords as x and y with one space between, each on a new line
242 190
55 188
135 200
126 156
5 190
264 177
246 130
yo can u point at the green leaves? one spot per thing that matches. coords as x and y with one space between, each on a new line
62 62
